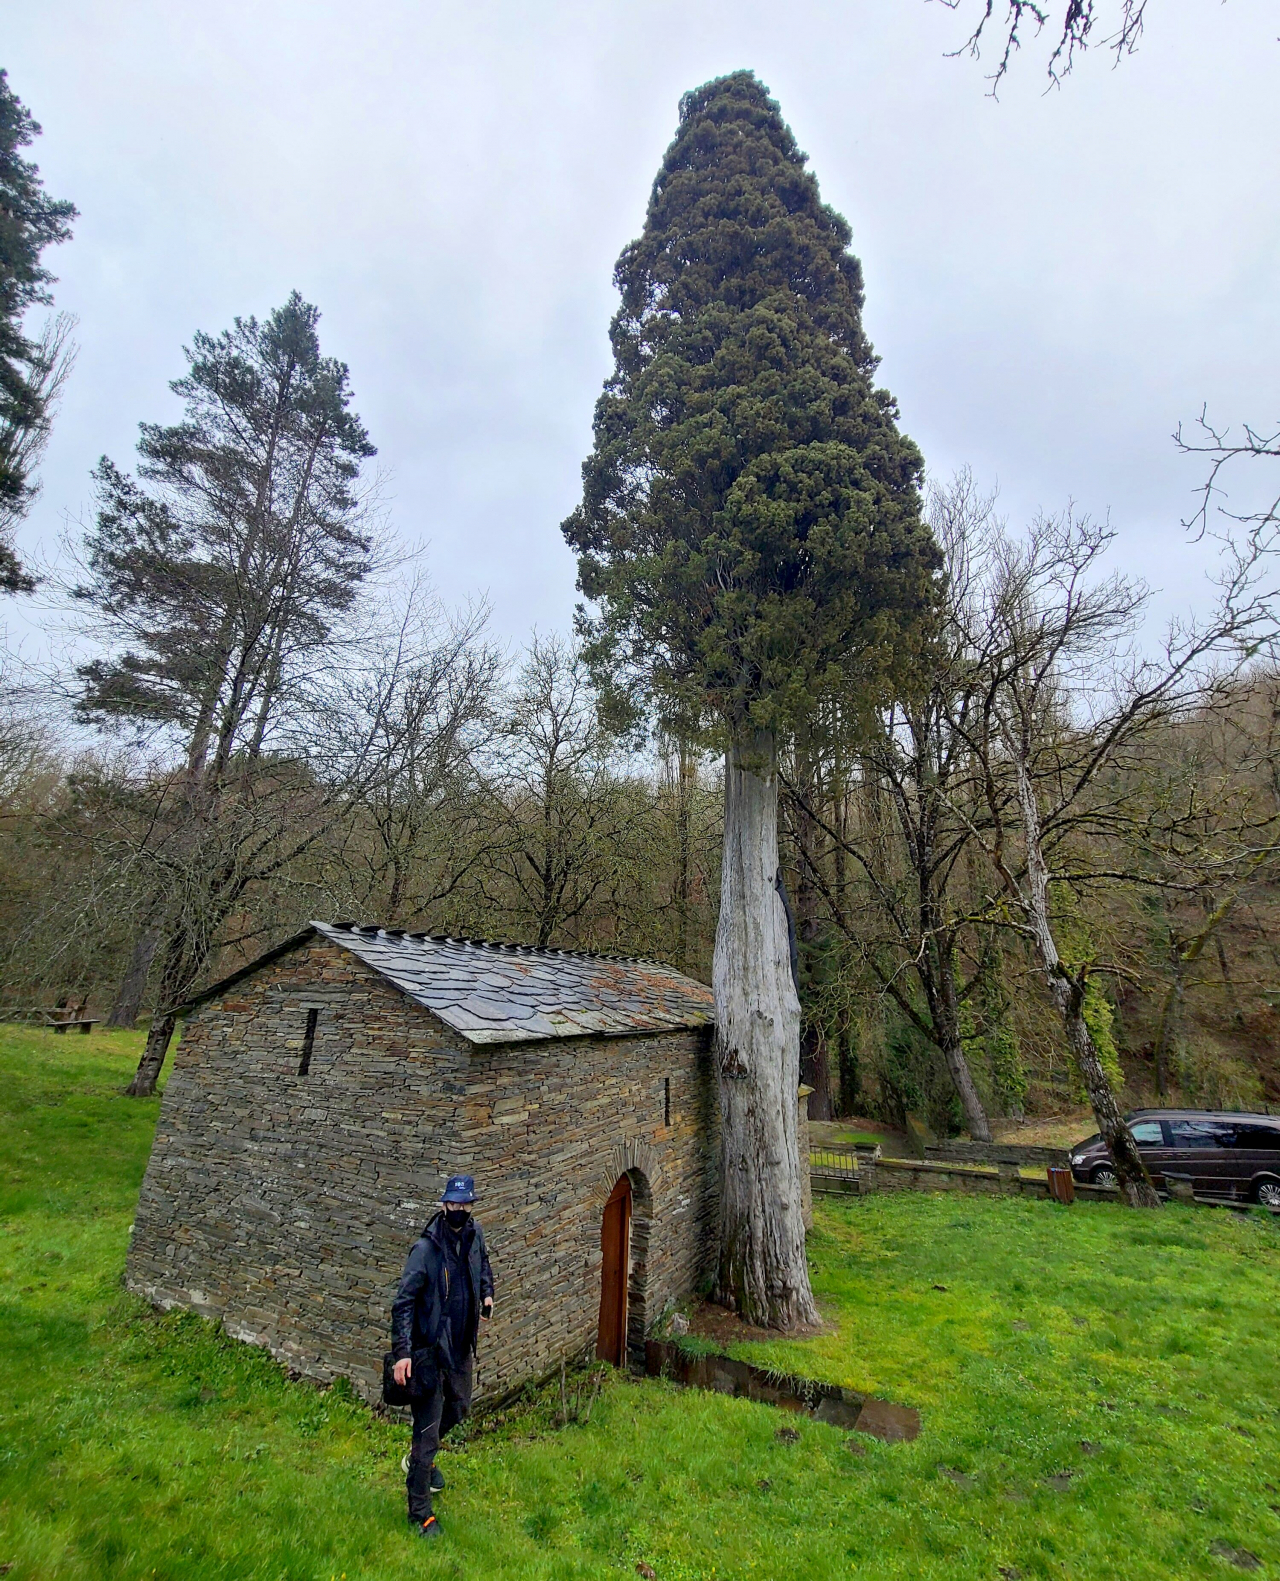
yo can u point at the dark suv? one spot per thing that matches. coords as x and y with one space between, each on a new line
1223 1154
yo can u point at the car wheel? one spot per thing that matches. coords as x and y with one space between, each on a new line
1267 1193
1104 1175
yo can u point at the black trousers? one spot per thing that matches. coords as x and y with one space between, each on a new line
433 1415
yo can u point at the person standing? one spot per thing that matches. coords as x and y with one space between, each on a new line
446 1287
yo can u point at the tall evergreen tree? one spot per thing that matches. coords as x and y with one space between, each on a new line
215 578
750 530
30 371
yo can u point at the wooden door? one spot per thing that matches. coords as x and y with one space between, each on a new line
615 1244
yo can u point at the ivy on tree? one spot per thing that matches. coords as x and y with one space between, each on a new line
750 531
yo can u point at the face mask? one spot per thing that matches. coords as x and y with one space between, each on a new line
456 1217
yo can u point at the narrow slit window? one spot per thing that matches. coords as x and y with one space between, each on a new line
666 1100
308 1041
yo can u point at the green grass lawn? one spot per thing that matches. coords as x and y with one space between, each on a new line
1099 1391
833 1133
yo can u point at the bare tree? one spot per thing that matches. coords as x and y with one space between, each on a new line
428 704
1210 835
916 764
1224 454
1068 695
565 819
1072 27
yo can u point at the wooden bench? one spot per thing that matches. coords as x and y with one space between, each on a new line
58 1018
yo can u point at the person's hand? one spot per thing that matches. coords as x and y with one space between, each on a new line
488 1306
402 1369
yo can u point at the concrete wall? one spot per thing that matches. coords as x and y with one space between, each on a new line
285 1205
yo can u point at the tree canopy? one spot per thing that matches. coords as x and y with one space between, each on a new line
750 522
241 538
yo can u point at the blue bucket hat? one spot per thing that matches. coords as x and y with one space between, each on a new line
459 1188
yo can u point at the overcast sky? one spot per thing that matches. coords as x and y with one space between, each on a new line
1053 280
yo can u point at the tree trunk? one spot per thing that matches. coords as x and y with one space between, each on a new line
762 1274
1237 1009
124 1013
1068 994
974 1113
815 1067
1186 952
147 1074
850 1074
947 1031
397 887
684 779
185 954
1170 1016
815 1071
933 952
1135 1183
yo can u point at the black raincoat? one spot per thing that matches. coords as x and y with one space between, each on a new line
418 1311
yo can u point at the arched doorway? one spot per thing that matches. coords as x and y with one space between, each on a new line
615 1268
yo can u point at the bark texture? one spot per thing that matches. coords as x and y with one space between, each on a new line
1067 989
124 1013
975 1115
938 976
159 1035
762 1273
815 1072
186 954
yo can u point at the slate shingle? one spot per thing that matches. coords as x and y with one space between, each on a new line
504 993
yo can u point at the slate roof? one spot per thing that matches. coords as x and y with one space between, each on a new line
514 993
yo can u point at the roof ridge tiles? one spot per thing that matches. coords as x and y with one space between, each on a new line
512 945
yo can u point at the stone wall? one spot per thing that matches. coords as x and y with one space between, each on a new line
912 1174
958 1152
284 1205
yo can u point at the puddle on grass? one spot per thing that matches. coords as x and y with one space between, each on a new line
825 1402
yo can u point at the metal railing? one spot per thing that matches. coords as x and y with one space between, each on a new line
840 1163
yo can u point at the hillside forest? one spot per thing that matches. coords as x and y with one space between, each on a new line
1021 830
389 762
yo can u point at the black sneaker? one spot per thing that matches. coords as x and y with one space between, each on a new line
430 1527
437 1480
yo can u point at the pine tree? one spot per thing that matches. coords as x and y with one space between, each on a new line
215 577
31 372
750 530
